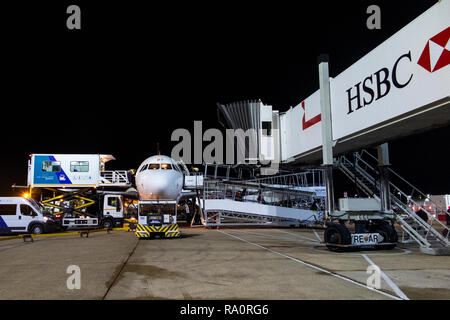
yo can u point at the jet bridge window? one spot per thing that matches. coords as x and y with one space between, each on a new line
79 166
266 128
166 166
153 166
51 166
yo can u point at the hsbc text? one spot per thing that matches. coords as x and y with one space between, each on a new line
376 86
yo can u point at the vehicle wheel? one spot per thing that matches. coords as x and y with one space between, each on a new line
37 229
338 234
388 233
107 224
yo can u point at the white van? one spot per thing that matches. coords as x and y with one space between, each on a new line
23 215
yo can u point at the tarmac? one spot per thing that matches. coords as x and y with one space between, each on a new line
229 263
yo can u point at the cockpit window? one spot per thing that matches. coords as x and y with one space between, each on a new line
153 166
166 166
144 168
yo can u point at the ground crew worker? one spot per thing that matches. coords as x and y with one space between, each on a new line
131 176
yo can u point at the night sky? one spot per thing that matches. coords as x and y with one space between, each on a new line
135 73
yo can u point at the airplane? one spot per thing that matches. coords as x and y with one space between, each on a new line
159 178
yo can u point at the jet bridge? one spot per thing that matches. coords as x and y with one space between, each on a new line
398 89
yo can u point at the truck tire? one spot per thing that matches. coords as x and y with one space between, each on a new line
107 224
37 228
338 234
389 234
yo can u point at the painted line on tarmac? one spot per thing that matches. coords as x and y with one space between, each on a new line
298 235
387 279
278 238
313 266
388 253
317 235
60 234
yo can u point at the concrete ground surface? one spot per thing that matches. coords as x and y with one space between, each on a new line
275 263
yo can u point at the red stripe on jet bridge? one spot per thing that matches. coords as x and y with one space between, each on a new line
310 122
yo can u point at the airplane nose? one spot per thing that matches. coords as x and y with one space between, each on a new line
155 187
158 188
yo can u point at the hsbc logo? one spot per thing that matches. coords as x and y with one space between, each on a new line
436 53
434 56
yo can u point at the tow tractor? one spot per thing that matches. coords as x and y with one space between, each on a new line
157 218
360 224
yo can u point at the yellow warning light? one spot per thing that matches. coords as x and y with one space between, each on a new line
26 195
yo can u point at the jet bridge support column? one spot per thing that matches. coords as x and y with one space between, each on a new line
327 137
383 164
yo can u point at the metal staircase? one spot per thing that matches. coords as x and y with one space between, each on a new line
282 200
430 234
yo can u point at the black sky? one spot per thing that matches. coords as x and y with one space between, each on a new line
136 72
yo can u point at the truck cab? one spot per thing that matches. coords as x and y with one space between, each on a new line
23 215
108 214
113 211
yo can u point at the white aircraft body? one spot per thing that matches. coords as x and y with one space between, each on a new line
159 178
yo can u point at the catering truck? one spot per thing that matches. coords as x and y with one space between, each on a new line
78 190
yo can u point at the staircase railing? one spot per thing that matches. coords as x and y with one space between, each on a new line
117 177
367 177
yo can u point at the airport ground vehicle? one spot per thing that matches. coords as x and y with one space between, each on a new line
18 214
360 224
157 218
106 212
78 191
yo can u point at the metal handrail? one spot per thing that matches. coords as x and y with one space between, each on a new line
115 176
281 197
440 209
294 179
404 204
